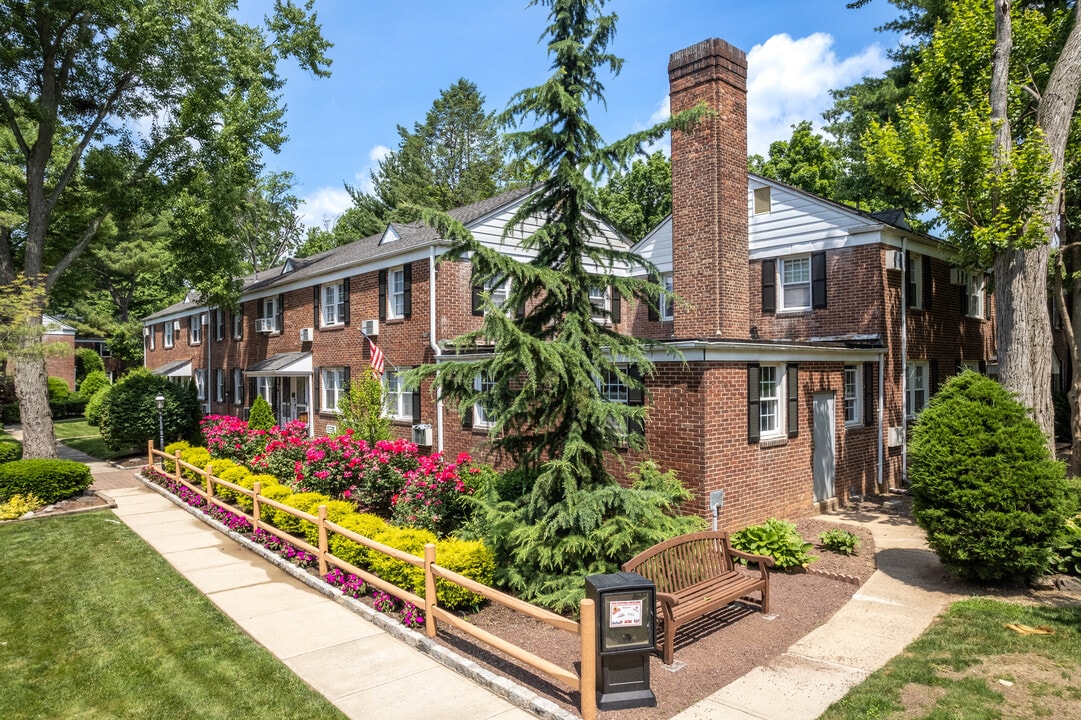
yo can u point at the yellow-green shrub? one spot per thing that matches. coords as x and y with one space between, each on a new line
273 492
248 481
19 505
233 474
364 524
465 557
197 456
171 450
305 502
337 510
410 540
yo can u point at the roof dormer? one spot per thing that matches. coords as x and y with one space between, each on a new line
389 235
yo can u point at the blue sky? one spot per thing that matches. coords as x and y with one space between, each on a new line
391 59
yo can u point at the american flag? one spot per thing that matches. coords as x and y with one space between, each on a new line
377 357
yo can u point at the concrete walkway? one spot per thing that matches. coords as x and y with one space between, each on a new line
368 673
907 591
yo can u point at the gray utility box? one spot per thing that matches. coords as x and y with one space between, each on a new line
626 606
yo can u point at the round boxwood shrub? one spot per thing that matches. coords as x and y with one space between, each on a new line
87 362
129 415
95 405
10 449
48 480
58 390
984 485
92 383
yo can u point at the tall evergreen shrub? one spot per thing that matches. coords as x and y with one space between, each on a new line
261 416
984 485
129 413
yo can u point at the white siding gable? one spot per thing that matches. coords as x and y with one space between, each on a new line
656 246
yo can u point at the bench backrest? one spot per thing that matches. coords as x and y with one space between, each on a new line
683 561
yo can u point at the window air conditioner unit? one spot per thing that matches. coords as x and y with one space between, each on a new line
370 327
895 260
422 435
146 332
896 436
264 325
306 334
176 325
957 276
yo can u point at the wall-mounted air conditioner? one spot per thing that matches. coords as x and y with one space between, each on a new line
957 277
176 326
265 325
306 334
370 327
146 332
895 260
896 436
422 435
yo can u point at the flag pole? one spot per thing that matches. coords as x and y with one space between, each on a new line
385 358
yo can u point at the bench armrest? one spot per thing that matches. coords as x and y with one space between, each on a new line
668 601
763 560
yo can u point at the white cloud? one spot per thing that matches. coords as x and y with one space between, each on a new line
322 207
789 81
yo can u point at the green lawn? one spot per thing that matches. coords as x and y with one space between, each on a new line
952 671
80 435
94 624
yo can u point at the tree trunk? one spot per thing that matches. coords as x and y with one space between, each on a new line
1073 322
32 391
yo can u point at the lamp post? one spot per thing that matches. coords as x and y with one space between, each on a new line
160 400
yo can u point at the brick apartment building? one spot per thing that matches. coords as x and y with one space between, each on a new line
815 332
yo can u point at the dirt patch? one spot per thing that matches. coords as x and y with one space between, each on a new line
917 700
1031 685
856 568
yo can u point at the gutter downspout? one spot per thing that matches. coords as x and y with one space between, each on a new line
435 346
881 417
904 361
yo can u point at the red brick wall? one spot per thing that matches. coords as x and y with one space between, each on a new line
62 366
709 192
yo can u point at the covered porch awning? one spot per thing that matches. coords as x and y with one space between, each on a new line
177 368
291 364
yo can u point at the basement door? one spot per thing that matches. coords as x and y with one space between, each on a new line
824 461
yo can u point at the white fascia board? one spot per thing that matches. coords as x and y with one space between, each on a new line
699 351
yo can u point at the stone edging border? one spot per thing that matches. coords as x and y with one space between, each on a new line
512 692
841 577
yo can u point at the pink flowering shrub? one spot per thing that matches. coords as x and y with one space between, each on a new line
281 458
333 466
431 496
231 438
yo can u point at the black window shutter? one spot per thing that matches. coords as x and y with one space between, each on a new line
818 280
635 398
252 390
987 298
241 313
382 294
982 367
407 295
317 386
345 380
927 284
964 298
868 394
653 312
467 417
792 415
345 301
933 385
754 407
281 313
316 305
416 405
910 282
617 304
478 303
769 286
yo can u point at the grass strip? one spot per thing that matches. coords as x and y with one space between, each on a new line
970 632
95 624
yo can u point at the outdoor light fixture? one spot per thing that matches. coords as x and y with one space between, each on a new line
160 400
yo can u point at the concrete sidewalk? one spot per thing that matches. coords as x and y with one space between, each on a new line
907 591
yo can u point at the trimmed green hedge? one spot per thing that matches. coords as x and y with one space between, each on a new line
10 449
49 480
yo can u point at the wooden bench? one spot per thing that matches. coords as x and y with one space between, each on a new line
695 574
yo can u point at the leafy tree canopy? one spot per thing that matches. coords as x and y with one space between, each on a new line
637 200
807 161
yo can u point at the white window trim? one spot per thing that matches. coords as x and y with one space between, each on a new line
480 413
916 271
398 402
497 290
975 300
600 312
200 383
780 428
395 296
238 325
264 387
272 303
332 314
195 329
916 369
665 305
151 336
338 375
856 397
219 384
167 338
219 324
238 385
614 390
782 306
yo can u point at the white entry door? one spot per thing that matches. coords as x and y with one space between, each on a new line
825 429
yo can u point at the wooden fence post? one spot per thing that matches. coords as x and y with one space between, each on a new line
150 453
587 682
176 466
209 485
256 489
429 590
322 541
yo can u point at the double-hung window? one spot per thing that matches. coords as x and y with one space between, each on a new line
795 276
974 296
219 324
333 304
482 417
219 385
396 293
600 299
614 390
915 280
200 383
238 386
238 324
167 335
398 400
268 315
264 386
151 336
853 397
195 329
771 409
333 388
498 290
915 388
666 301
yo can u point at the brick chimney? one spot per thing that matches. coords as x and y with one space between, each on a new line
709 192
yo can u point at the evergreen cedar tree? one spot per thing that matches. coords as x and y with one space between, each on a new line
75 76
984 485
559 514
261 417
